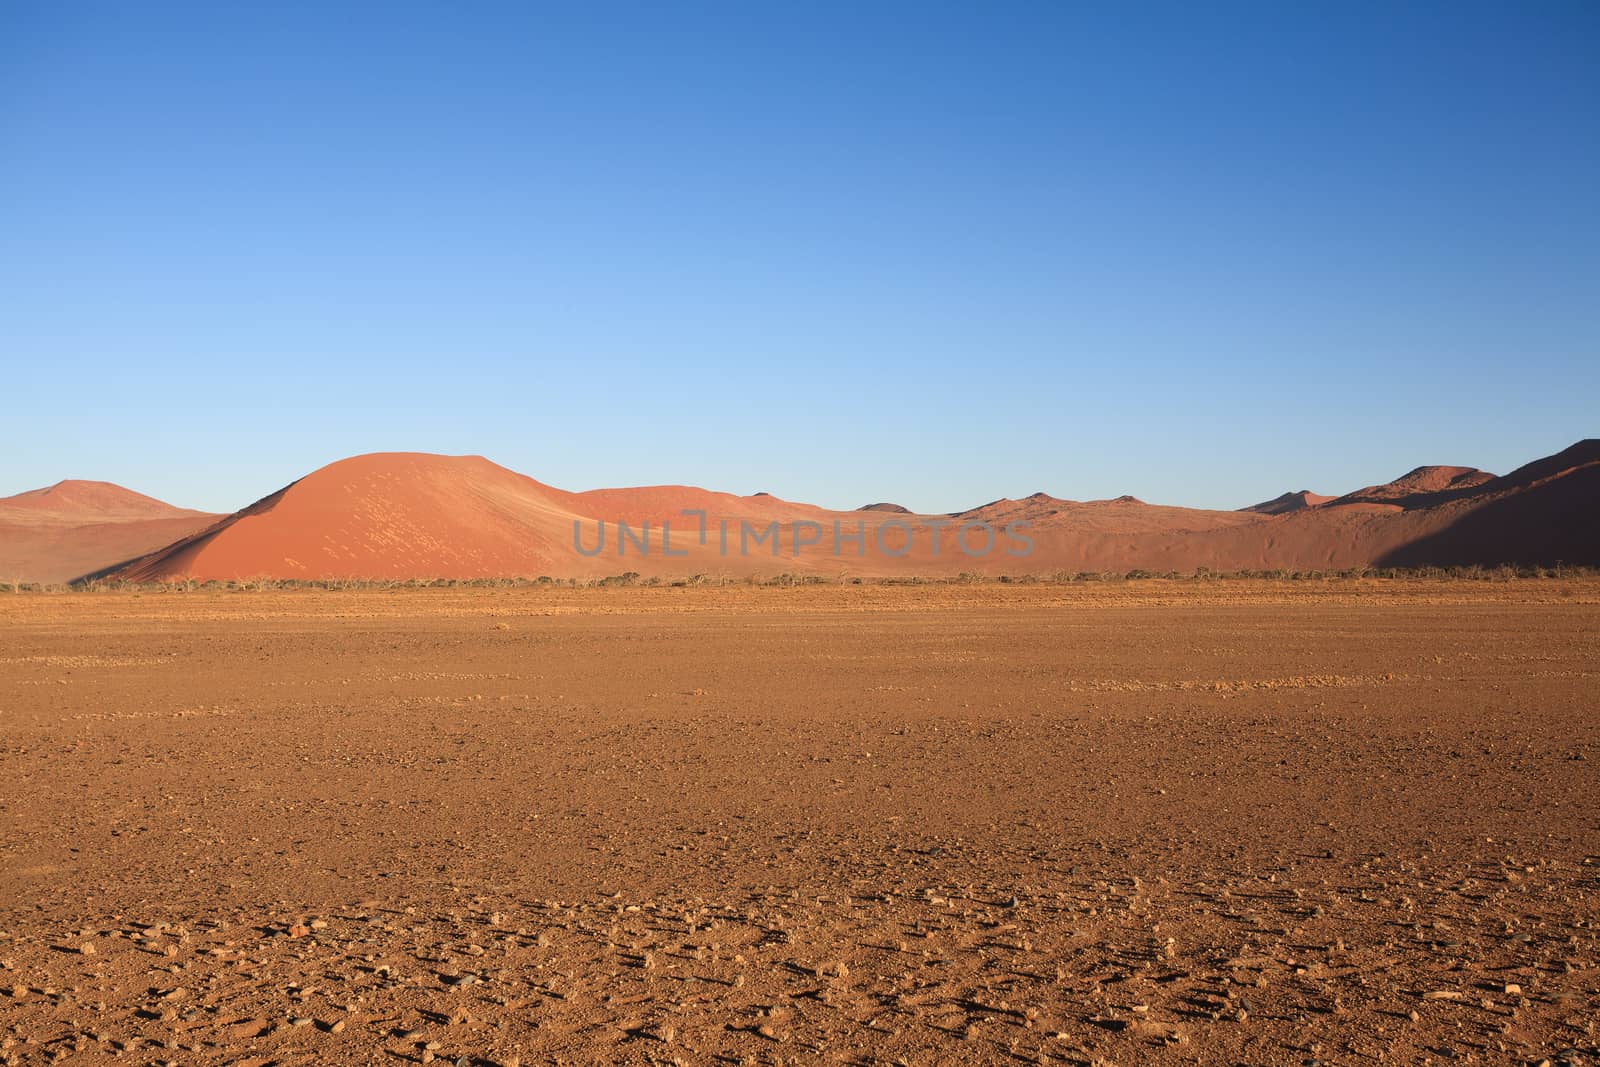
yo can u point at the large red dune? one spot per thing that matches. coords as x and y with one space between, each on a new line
416 515
406 515
74 527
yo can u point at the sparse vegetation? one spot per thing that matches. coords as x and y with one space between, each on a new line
1473 573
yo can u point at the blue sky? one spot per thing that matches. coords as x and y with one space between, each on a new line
931 253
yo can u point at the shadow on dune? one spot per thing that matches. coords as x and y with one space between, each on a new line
1557 522
193 541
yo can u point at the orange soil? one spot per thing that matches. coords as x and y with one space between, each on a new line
1105 823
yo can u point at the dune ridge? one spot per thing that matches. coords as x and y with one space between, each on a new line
410 515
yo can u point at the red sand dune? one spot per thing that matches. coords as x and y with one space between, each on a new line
1282 505
385 515
74 527
412 515
1420 487
1119 517
403 515
76 501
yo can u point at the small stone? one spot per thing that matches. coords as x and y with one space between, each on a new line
300 1020
1513 989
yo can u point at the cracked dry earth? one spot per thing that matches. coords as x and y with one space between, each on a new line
1220 823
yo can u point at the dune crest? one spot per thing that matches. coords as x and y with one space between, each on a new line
76 501
1283 505
1421 487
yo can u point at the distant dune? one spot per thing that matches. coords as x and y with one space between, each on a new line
1282 505
74 527
896 508
416 515
1421 487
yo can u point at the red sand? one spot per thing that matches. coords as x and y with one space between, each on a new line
75 502
73 527
410 515
1155 823
1282 505
1417 487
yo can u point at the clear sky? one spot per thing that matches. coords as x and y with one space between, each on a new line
930 253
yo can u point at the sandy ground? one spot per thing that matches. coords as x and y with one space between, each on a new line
1127 823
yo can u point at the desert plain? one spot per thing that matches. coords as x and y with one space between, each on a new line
1222 822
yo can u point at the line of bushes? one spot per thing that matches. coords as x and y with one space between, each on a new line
1506 572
